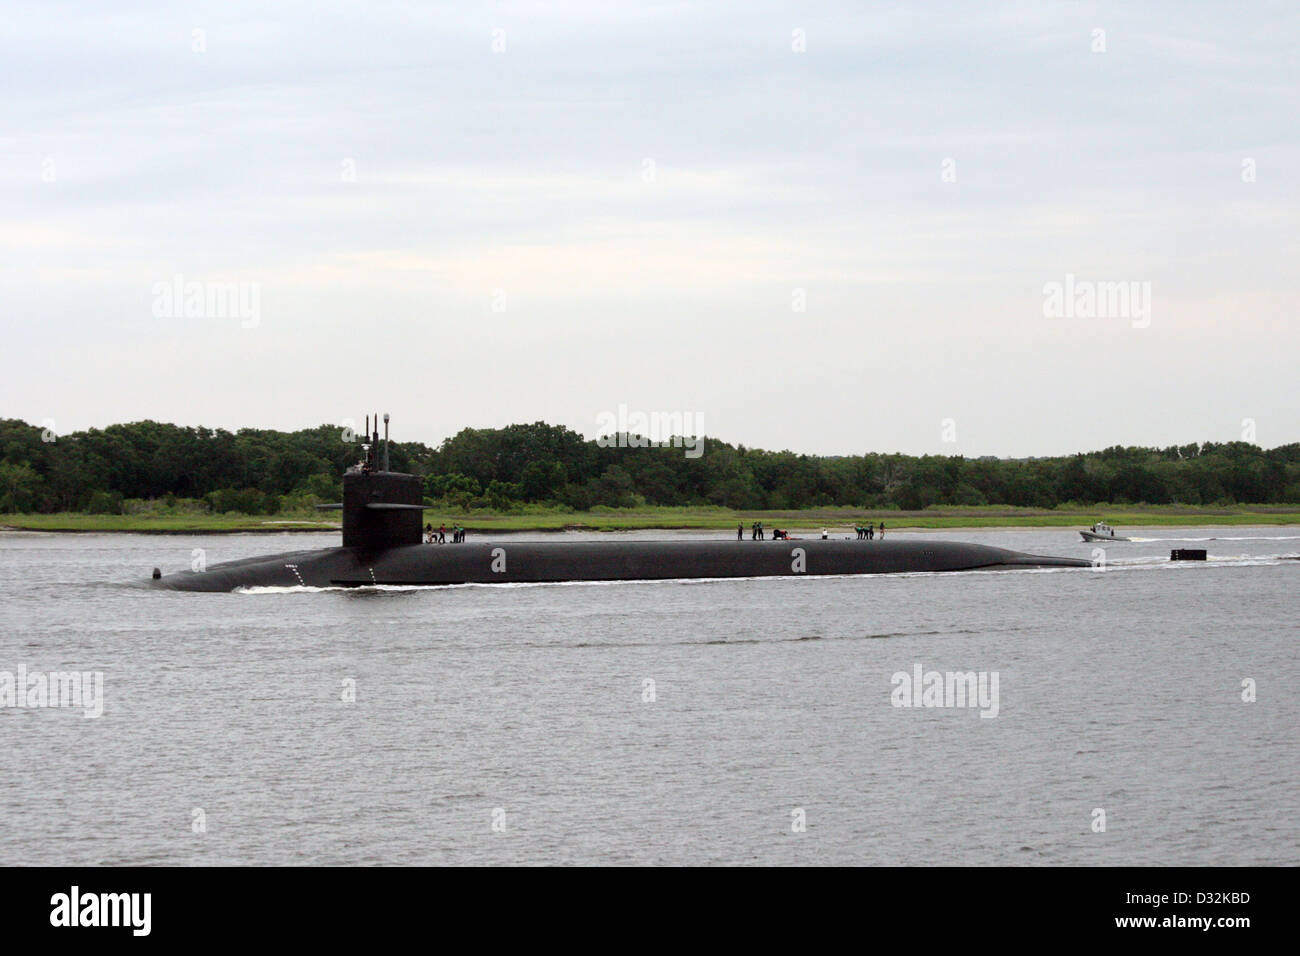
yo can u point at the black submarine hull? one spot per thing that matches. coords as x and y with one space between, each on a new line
504 562
382 511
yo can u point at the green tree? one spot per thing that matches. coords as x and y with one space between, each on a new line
20 488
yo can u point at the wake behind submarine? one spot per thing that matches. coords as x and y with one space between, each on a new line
382 545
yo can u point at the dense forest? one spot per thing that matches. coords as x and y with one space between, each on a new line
255 471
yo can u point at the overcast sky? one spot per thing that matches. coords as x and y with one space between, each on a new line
479 214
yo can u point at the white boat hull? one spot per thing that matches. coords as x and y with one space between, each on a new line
1094 536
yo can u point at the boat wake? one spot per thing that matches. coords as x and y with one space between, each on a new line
1241 538
1211 561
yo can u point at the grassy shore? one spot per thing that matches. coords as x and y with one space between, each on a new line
612 519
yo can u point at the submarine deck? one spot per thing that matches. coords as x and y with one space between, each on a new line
502 561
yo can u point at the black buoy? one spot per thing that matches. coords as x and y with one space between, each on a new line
156 574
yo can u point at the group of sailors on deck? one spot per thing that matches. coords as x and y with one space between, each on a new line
439 536
866 532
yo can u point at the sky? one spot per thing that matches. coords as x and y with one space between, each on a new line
828 227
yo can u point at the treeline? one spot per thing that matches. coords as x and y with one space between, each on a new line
256 471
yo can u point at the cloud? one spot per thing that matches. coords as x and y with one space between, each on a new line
652 189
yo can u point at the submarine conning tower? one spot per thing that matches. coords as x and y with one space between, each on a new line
381 508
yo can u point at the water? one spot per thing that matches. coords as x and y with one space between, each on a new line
1118 690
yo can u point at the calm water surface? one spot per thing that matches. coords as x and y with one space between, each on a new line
1119 690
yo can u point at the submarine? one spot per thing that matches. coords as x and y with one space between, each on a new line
383 545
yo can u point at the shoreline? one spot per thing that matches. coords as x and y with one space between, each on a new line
681 520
